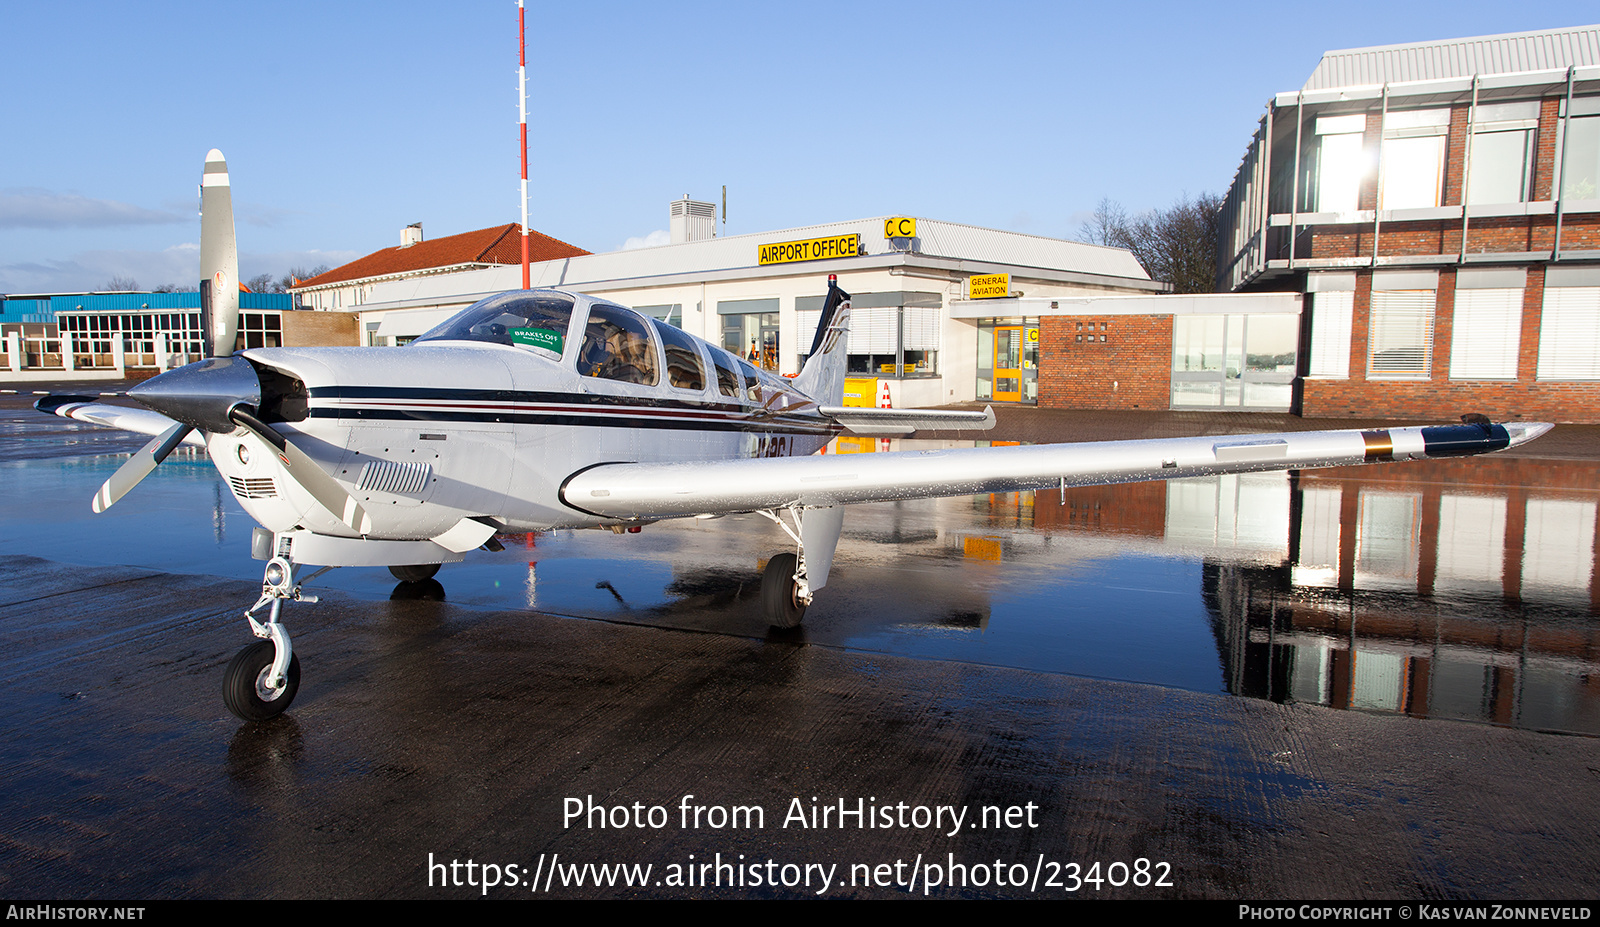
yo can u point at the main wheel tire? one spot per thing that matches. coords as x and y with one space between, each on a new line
784 608
244 688
414 573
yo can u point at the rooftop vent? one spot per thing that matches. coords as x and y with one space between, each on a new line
693 220
411 234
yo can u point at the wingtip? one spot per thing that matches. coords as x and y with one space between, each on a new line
1523 432
52 404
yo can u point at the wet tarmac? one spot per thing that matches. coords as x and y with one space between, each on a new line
1345 684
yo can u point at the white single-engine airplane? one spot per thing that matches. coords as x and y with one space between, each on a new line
540 409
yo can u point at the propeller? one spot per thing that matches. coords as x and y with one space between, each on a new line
221 394
138 467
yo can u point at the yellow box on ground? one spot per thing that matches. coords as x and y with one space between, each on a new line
861 392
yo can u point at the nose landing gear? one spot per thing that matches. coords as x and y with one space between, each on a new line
262 679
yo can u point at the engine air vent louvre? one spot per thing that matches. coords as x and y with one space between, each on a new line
391 476
254 488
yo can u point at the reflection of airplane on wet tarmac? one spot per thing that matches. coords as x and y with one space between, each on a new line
541 409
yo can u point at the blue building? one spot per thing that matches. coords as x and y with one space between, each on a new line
111 334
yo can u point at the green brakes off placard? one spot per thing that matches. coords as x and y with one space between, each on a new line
537 338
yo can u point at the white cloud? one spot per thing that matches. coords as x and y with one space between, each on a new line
179 264
33 208
654 239
91 270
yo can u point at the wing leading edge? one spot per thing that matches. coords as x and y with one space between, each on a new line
123 418
648 491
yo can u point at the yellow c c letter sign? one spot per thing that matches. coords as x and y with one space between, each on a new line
900 227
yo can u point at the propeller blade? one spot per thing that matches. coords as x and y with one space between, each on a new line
303 470
138 467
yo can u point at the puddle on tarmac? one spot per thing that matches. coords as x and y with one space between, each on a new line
1464 589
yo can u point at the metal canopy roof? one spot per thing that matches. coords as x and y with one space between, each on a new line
1516 52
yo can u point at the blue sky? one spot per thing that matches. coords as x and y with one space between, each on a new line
343 122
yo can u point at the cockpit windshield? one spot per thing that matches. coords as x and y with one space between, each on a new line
538 321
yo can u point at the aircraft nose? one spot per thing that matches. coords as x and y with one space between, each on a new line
201 394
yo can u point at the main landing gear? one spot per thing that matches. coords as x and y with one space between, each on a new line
781 595
790 580
263 678
414 573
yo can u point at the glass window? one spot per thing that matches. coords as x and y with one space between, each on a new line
920 329
259 330
1197 342
752 336
1271 343
1331 315
1580 167
1569 334
617 345
871 341
727 373
537 322
1334 164
684 368
1412 172
670 313
1400 338
1413 169
1501 166
1339 172
752 380
1485 333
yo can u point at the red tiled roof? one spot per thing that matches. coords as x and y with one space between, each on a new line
501 244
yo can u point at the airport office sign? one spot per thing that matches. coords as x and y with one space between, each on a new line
811 249
988 286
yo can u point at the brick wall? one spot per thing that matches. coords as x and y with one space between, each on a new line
1438 398
1131 368
303 329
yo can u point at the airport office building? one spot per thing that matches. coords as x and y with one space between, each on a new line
942 312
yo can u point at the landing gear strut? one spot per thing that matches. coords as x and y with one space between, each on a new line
263 678
790 580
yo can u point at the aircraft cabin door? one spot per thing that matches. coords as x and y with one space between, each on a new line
1008 364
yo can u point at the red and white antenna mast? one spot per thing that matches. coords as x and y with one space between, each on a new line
522 109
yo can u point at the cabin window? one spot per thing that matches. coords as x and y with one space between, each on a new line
752 381
518 318
617 345
727 374
684 367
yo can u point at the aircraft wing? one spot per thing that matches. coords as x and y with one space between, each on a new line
864 421
88 409
643 490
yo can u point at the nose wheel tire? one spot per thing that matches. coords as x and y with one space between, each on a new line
414 573
244 684
780 594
